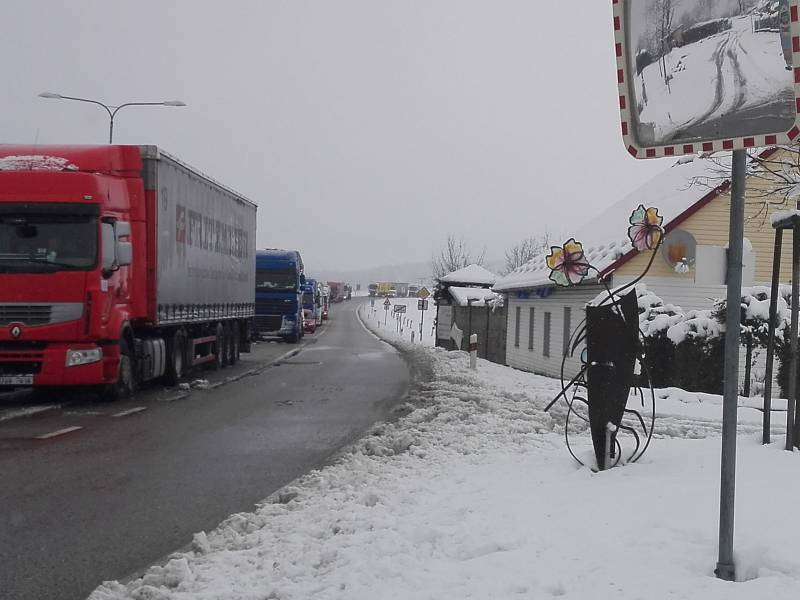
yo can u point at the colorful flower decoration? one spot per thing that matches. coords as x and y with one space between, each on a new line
645 231
568 264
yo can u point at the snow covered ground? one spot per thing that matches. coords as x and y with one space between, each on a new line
722 76
409 321
470 493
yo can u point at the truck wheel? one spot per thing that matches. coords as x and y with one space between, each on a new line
125 385
233 343
176 350
220 348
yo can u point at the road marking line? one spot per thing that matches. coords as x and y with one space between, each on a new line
173 398
131 411
58 432
27 412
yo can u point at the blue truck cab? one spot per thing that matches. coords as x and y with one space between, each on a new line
279 282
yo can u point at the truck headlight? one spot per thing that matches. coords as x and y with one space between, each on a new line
83 357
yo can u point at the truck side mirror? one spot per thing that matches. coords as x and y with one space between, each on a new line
123 229
108 240
124 250
124 254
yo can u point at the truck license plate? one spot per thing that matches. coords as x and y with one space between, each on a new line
16 379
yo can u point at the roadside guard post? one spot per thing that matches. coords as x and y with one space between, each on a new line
473 351
662 74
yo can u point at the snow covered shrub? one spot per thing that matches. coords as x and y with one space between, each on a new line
782 339
753 326
699 352
655 318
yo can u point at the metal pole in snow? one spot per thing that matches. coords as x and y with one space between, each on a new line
725 567
607 456
773 312
792 399
473 351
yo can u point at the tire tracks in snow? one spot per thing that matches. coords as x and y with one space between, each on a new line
719 92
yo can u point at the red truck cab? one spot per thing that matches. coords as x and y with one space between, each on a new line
80 273
65 263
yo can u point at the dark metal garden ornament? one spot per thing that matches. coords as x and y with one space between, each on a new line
598 395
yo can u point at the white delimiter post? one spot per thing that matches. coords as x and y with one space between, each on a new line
473 351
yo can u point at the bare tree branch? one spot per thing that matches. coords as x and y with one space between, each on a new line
454 255
528 249
773 179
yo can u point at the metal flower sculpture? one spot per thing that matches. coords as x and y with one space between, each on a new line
568 263
598 395
645 231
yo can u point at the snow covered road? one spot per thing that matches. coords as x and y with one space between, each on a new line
734 81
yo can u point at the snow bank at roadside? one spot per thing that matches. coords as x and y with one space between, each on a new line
472 494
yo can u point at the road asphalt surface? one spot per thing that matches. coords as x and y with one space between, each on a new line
80 506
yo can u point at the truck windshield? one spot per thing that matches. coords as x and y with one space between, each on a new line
308 300
43 243
276 281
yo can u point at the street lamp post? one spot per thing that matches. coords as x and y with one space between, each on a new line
111 110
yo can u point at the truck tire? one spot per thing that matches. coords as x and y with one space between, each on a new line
176 351
219 348
227 355
233 344
125 385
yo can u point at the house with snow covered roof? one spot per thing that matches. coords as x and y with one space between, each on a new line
689 271
464 298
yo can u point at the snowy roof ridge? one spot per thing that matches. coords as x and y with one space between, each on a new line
478 296
673 191
537 273
472 274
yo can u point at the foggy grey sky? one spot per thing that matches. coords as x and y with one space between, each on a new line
366 130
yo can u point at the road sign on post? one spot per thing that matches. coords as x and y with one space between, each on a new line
675 98
386 305
399 308
422 305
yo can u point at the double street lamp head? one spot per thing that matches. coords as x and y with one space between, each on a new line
110 109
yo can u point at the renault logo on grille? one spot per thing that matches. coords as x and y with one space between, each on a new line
16 331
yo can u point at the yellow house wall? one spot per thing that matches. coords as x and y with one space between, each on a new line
709 226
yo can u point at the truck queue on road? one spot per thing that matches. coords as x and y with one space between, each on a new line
121 265
393 289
